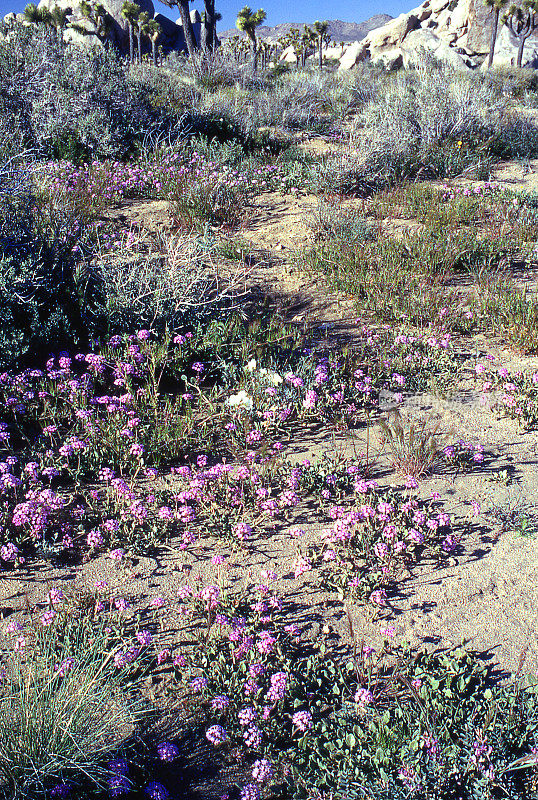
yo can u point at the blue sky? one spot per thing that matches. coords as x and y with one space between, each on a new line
277 11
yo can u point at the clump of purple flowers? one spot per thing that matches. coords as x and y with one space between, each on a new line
250 792
262 770
156 791
216 735
302 720
167 751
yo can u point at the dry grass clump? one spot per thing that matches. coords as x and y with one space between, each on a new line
413 446
63 706
158 287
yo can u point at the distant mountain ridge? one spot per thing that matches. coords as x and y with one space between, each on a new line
339 31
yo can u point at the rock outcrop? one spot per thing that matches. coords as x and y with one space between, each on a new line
456 32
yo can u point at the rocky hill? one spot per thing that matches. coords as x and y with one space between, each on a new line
456 32
339 31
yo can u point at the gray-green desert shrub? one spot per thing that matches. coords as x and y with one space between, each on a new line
72 101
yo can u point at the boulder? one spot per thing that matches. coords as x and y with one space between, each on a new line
114 8
421 42
390 59
196 29
393 33
288 55
439 5
333 53
480 20
460 18
456 32
89 36
353 55
171 37
424 12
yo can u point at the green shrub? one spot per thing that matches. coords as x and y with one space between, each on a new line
47 299
435 122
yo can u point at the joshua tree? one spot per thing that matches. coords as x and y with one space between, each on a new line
320 31
38 16
58 18
141 22
100 18
266 51
217 18
496 6
293 40
522 21
188 33
131 12
248 21
103 22
152 30
309 39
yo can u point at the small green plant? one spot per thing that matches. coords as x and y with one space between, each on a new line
502 476
348 225
518 515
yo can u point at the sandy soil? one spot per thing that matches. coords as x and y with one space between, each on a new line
487 594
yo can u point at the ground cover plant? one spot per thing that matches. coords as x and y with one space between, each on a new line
447 269
207 495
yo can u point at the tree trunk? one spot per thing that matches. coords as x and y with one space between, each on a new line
154 52
139 44
521 47
320 52
209 25
131 42
254 42
188 32
494 26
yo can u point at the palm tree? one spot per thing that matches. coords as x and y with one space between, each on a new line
248 21
131 12
496 6
522 21
320 30
188 33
